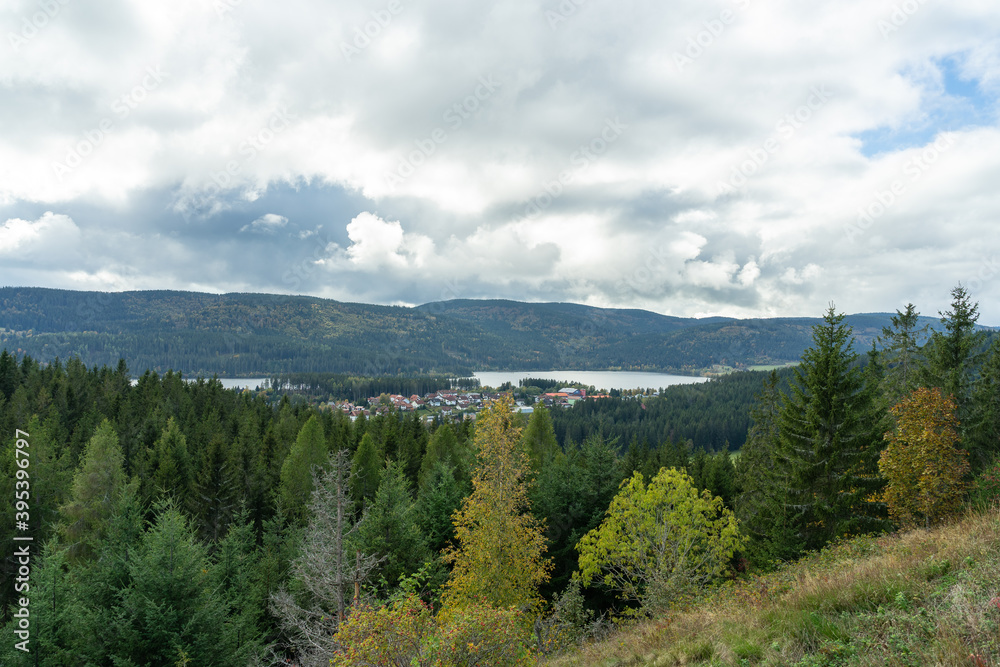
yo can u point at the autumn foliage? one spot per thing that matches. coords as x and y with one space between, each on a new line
500 555
406 632
923 467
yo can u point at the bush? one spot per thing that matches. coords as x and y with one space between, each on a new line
406 633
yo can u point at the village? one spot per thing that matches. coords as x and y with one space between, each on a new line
457 404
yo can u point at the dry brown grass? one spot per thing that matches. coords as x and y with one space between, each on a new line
916 598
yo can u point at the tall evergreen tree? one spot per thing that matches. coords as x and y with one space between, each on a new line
983 435
171 473
96 488
170 614
762 506
952 353
366 469
830 440
390 530
308 452
437 500
540 438
444 447
901 349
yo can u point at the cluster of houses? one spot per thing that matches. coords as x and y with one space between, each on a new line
453 403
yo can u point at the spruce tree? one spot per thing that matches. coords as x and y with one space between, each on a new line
366 469
830 438
983 435
540 438
902 354
170 471
762 506
308 452
390 530
952 353
96 488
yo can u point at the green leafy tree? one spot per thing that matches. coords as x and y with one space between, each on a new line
659 541
922 464
499 557
308 452
830 433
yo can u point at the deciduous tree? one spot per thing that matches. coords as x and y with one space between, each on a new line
659 540
499 559
922 464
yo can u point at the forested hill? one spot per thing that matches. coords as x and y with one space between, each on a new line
250 334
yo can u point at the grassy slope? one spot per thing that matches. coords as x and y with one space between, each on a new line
917 598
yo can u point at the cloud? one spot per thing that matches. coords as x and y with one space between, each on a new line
668 157
52 237
269 223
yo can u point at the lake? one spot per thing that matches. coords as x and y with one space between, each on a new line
599 379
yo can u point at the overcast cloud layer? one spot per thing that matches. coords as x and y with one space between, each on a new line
742 157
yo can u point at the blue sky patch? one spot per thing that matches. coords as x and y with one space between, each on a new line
951 101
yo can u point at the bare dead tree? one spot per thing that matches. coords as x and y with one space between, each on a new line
326 567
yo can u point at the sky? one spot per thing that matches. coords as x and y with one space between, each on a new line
734 157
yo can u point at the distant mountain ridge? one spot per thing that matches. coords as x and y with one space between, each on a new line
244 334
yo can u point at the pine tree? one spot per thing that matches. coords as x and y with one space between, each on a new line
169 613
444 447
171 473
830 440
500 554
438 499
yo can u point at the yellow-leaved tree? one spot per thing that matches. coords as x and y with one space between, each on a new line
923 467
499 558
660 541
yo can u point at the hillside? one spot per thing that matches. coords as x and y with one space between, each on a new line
251 334
916 598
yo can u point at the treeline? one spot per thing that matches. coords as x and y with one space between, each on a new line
713 415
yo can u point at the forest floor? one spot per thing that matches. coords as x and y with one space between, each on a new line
922 597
